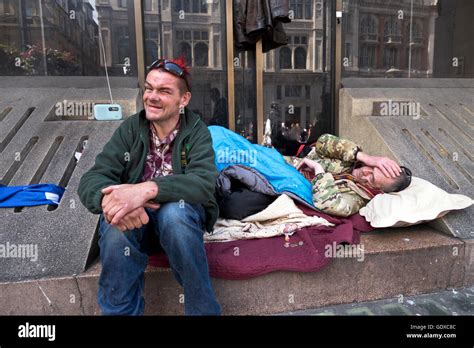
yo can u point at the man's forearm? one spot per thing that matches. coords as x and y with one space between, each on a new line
361 156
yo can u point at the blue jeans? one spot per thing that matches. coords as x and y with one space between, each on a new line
180 228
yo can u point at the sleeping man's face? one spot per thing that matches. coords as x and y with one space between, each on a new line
373 177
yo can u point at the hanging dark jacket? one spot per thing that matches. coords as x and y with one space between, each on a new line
255 19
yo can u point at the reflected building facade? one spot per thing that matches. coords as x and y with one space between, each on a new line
65 29
194 30
296 76
378 41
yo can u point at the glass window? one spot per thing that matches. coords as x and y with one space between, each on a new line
147 5
5 7
245 95
191 6
151 52
285 58
300 58
202 54
347 49
184 50
302 9
299 106
308 9
390 58
293 91
71 41
347 23
392 27
367 57
200 38
368 24
123 49
433 40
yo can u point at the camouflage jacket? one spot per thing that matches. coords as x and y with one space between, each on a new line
335 192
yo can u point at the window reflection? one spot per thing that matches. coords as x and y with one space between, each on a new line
245 95
48 38
394 41
194 46
300 58
191 6
285 58
194 30
296 80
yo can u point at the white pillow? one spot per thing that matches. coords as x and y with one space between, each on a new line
420 202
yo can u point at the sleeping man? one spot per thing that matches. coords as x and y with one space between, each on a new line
345 178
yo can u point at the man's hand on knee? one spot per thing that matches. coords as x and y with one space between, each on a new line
135 219
120 200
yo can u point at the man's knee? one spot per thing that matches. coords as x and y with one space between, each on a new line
179 212
114 241
178 220
110 235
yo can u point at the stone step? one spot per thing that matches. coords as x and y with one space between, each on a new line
396 262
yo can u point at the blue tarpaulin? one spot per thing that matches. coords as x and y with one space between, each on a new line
31 195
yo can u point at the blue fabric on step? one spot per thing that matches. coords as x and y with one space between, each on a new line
31 195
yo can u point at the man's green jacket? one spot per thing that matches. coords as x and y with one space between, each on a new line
123 158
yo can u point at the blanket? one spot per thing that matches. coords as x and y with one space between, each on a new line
305 251
280 217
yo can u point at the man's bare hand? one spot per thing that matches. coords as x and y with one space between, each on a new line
120 200
309 165
134 219
388 167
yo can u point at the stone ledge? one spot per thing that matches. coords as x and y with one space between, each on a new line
404 262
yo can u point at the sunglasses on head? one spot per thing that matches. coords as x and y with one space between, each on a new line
170 67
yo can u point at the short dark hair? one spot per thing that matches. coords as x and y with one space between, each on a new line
400 182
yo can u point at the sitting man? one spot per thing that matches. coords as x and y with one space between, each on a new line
345 178
156 175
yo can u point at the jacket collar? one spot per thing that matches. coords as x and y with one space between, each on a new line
349 181
188 121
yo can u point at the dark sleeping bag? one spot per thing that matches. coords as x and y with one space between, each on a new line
241 192
242 202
